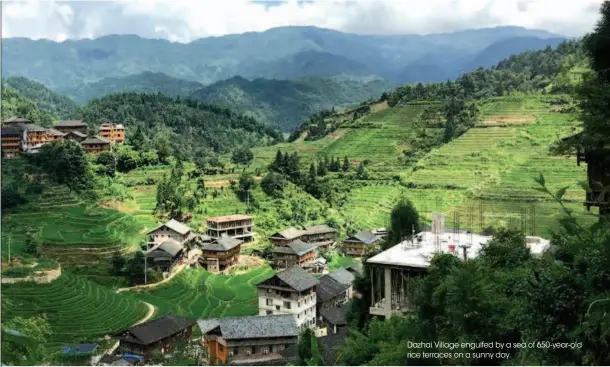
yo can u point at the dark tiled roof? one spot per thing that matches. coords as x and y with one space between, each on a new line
10 130
95 140
328 289
296 247
160 328
342 276
171 246
331 344
15 119
55 132
321 228
30 127
224 243
366 237
71 123
334 315
357 268
252 327
289 233
77 133
297 278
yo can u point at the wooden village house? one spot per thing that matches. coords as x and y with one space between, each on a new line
95 144
249 339
219 254
112 132
166 255
321 234
330 293
237 226
75 135
297 252
158 334
172 229
293 292
11 141
360 243
66 126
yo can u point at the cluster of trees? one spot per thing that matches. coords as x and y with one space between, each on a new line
133 269
171 196
187 125
525 72
14 103
286 168
54 104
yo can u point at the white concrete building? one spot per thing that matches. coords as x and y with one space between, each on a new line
391 269
292 291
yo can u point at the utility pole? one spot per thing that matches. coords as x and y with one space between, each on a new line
145 263
9 250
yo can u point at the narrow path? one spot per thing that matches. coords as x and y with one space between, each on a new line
151 311
152 285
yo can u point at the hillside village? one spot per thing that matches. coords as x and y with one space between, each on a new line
145 228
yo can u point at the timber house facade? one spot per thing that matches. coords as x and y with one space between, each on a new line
248 339
237 226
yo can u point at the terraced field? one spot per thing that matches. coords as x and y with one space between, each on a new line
199 294
76 309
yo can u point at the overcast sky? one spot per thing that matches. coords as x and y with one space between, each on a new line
184 21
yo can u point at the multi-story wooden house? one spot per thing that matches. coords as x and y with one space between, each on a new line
236 226
55 135
221 253
288 235
66 126
11 141
294 253
320 233
112 132
293 292
249 340
164 256
16 120
359 244
33 137
330 293
95 144
172 229
158 334
75 135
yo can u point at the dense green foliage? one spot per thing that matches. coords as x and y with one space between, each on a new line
146 82
16 104
47 100
525 72
287 103
404 221
186 125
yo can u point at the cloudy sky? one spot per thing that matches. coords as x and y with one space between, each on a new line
184 21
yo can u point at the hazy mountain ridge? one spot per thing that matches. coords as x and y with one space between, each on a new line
284 52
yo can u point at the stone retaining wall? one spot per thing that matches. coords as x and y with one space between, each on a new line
40 277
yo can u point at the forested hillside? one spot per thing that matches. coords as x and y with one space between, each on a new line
288 103
16 104
188 125
285 52
146 82
47 100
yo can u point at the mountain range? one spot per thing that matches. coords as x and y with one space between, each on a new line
278 53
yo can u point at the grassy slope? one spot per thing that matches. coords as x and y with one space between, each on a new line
492 166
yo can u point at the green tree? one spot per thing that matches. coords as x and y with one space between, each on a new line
345 166
304 346
242 156
404 219
163 146
31 244
65 163
135 269
118 262
273 184
362 173
23 341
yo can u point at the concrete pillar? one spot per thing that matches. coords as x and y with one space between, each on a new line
387 290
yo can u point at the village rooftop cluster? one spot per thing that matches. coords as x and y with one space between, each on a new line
20 135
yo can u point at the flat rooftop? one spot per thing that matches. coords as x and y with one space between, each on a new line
229 218
419 252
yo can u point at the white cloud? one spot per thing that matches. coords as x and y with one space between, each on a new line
183 21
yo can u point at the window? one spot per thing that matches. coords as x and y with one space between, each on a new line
268 290
277 308
221 347
298 304
269 312
298 316
269 302
287 305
